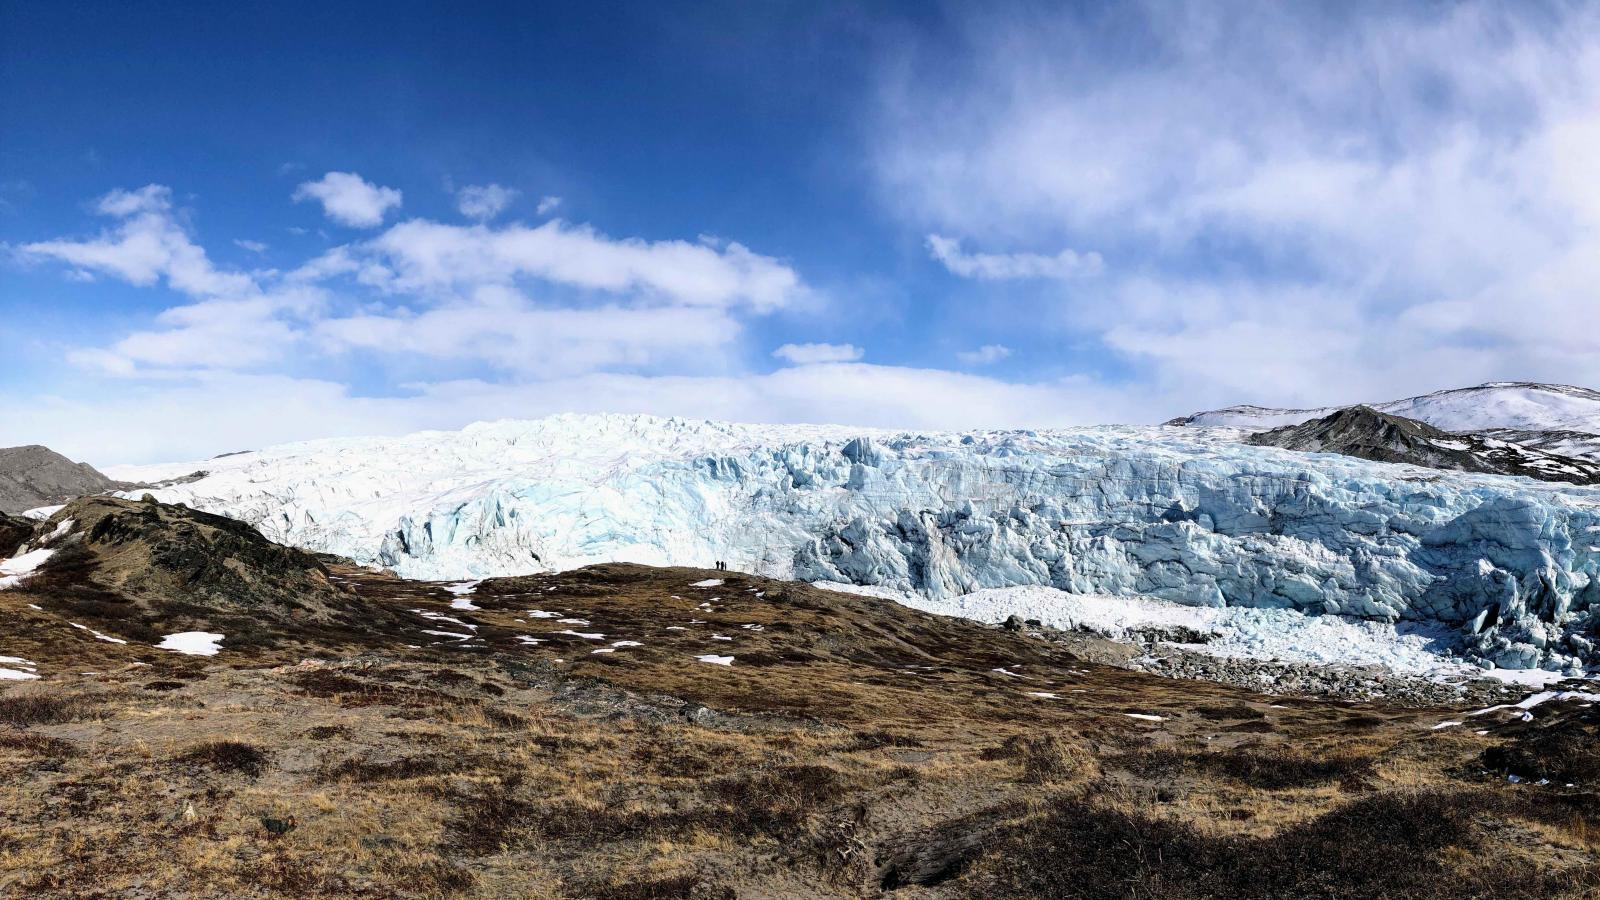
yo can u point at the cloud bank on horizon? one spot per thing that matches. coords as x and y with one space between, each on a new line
1110 216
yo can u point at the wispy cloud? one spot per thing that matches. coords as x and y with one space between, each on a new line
349 199
1399 198
420 255
1005 266
147 245
485 201
985 355
814 354
548 204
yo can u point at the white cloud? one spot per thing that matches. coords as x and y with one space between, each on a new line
1314 203
547 204
484 202
349 199
420 255
501 328
152 198
148 244
252 246
985 355
814 354
554 301
1003 266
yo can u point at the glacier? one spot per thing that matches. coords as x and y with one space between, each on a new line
1189 515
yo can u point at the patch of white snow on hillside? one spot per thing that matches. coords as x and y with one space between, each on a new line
1145 717
463 590
1532 678
1285 635
716 660
39 514
192 643
103 637
1532 700
14 570
708 583
441 617
25 669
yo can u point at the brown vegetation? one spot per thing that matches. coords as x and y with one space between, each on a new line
853 748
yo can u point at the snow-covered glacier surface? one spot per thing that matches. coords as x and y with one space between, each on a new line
1182 514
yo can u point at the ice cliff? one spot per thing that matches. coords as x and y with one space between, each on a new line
1184 514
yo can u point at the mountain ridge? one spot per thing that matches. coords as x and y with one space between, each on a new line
33 475
1511 405
1366 433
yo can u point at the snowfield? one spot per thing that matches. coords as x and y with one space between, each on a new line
1508 565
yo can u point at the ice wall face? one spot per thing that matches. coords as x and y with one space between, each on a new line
1181 514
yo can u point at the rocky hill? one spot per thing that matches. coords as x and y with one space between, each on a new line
137 571
35 476
1366 433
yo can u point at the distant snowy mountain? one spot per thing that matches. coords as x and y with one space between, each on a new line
1363 432
1508 405
1554 418
1193 516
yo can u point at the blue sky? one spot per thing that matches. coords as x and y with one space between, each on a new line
269 222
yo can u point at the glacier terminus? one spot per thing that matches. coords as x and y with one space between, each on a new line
1184 514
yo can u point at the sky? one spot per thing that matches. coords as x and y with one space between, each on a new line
234 225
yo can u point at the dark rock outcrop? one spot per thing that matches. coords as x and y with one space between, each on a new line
1366 433
142 569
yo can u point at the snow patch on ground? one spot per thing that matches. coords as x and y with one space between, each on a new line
716 660
1532 700
192 643
15 570
98 635
463 590
24 669
1532 678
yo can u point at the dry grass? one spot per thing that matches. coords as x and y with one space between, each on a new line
820 764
